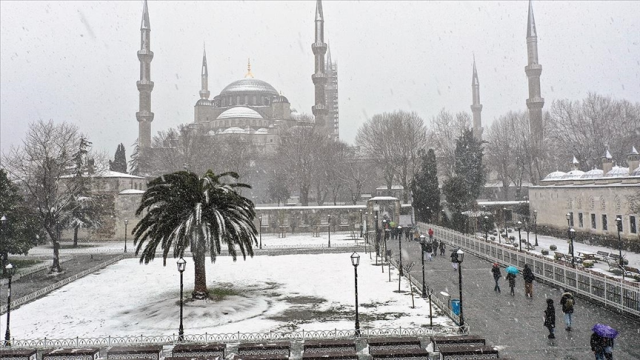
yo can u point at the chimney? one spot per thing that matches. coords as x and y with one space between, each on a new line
574 164
633 160
607 163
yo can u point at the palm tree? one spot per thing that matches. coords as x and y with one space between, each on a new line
202 213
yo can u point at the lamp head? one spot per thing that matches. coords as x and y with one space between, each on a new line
568 216
126 221
10 269
486 217
182 264
3 219
519 225
355 259
460 255
399 227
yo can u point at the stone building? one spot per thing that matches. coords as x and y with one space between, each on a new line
592 200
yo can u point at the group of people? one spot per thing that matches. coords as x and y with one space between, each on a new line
527 274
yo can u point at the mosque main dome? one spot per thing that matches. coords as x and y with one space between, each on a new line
249 85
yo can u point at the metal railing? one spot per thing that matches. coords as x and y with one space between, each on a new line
30 270
36 294
617 293
108 341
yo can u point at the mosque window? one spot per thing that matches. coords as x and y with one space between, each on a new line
580 220
632 224
246 99
224 102
254 100
265 101
593 221
238 100
605 226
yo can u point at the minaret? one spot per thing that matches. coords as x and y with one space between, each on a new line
535 102
333 114
319 78
204 78
145 85
476 107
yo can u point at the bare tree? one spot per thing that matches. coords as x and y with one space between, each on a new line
359 173
445 129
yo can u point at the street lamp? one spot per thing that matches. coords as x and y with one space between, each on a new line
486 228
126 222
10 270
3 222
430 292
535 225
361 227
572 235
428 215
459 260
182 264
260 231
329 228
423 245
506 234
355 261
519 235
400 248
619 226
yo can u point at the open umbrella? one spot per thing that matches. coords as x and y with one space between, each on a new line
512 270
605 331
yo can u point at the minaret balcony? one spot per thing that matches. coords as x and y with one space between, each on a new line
533 70
145 85
145 56
144 116
319 48
535 103
319 78
319 109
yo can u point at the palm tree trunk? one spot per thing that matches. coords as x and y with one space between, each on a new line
200 280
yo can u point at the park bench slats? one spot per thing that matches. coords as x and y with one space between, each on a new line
72 354
18 354
414 353
314 346
150 352
468 352
198 350
261 357
194 358
327 355
631 271
274 348
392 343
440 342
602 255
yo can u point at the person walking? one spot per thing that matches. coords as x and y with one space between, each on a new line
428 248
511 277
567 301
608 348
550 318
597 346
528 277
495 270
454 259
435 247
442 248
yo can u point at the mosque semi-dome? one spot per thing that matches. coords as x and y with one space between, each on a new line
239 112
617 171
593 174
249 85
556 175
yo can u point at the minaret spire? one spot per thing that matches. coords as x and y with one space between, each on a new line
145 85
535 102
204 77
319 77
249 74
476 107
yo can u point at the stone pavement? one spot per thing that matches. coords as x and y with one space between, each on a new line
514 324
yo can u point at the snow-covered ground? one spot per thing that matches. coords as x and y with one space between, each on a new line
288 292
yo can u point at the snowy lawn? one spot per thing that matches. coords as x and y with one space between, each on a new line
264 293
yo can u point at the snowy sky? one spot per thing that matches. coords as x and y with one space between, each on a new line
76 61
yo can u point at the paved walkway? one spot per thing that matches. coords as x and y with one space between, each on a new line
514 324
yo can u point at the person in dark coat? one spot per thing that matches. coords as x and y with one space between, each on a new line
512 282
495 270
442 247
597 346
550 318
567 301
528 277
435 247
454 259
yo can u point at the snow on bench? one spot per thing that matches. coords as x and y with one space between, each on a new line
149 352
18 354
198 350
274 348
72 354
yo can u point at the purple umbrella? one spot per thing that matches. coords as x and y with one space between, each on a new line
605 331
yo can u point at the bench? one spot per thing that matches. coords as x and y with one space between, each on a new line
342 355
469 352
631 271
72 354
391 343
150 352
441 342
198 350
193 358
274 348
602 255
318 346
18 354
614 256
399 353
559 256
261 357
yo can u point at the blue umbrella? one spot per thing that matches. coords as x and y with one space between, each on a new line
512 270
605 331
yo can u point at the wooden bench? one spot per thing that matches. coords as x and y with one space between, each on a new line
318 346
341 355
150 352
261 357
631 271
614 256
274 348
18 354
72 354
441 342
469 352
193 358
602 255
399 353
392 343
198 350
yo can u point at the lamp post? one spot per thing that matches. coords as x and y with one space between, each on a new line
459 260
423 244
535 225
361 227
486 228
572 235
329 228
126 222
3 222
429 293
506 234
7 336
428 215
355 261
260 231
400 249
619 226
519 235
182 264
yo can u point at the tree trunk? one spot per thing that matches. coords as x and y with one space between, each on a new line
200 291
54 234
5 260
75 237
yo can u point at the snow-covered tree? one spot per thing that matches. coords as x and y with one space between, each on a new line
426 194
119 162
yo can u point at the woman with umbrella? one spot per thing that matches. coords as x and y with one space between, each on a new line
512 271
602 341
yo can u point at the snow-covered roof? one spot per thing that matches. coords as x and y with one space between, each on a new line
131 192
383 198
393 187
240 112
573 174
592 174
262 131
636 172
556 175
618 171
249 85
234 130
115 174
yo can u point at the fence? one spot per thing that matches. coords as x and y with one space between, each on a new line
36 294
30 270
224 338
622 295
